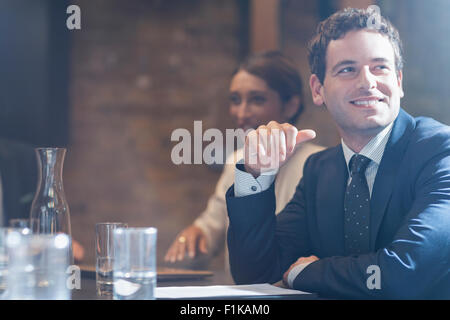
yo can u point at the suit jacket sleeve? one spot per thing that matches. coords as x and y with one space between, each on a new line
414 262
262 246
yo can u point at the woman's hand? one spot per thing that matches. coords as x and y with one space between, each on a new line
187 241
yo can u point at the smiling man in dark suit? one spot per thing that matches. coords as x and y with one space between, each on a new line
378 202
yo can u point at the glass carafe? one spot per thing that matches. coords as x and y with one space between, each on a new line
49 209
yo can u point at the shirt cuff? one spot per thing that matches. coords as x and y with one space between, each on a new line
295 272
245 184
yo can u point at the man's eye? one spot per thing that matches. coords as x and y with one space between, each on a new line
347 70
381 67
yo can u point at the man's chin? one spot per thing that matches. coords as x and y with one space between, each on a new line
379 120
372 126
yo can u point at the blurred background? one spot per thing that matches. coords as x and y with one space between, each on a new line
114 91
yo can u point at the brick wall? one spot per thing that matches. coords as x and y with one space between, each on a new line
139 70
299 19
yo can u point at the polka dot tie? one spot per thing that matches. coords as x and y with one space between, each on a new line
357 208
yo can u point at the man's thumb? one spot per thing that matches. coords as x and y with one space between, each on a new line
305 135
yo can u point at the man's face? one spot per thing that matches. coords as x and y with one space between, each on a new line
362 88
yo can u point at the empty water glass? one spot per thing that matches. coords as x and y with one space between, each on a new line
135 264
19 223
37 266
4 259
104 254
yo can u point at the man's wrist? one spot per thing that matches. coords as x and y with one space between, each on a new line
254 173
295 272
246 184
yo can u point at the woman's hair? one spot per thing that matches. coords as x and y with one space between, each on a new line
280 74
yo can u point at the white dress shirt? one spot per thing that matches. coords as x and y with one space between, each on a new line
246 184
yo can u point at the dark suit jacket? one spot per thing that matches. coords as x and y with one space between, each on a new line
410 222
18 170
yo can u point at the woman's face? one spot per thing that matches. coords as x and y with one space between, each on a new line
252 102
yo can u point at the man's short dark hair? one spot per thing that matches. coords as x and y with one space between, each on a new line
337 25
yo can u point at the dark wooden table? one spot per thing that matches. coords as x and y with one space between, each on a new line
88 287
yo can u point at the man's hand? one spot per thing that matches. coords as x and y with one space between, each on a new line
268 147
187 240
296 263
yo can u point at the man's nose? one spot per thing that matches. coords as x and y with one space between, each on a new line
367 79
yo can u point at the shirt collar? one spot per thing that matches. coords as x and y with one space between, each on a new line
374 149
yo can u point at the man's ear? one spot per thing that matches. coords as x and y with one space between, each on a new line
316 90
291 107
400 83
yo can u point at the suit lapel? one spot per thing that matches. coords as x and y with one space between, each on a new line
330 202
387 171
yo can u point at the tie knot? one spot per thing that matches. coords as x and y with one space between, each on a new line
358 164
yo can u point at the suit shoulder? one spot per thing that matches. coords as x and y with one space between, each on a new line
317 159
431 134
307 149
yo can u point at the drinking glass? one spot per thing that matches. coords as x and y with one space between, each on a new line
105 257
4 259
21 223
135 263
37 266
49 211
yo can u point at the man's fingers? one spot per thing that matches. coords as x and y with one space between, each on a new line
305 135
283 147
285 279
291 136
251 148
268 147
263 143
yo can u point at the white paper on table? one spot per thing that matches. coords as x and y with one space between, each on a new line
263 289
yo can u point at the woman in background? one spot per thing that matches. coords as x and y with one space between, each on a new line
266 86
